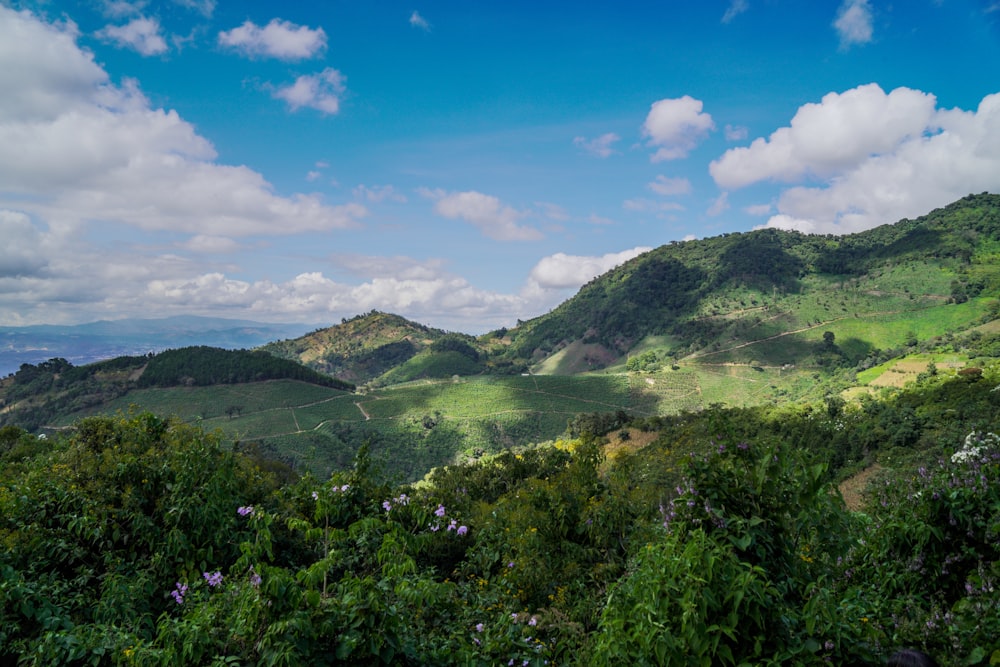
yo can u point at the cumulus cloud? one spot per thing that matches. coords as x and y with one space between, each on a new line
562 271
675 126
736 7
278 39
77 148
430 296
854 23
314 91
670 186
864 158
140 34
418 21
600 147
493 218
825 138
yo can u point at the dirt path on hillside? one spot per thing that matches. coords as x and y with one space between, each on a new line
853 488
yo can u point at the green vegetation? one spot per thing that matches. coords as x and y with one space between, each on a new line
137 540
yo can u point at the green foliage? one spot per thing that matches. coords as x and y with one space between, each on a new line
140 540
200 366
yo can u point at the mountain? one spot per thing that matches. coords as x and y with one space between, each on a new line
765 298
723 296
106 339
367 347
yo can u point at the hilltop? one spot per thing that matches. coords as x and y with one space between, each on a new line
368 346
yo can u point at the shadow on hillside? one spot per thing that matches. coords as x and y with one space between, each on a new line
759 261
857 254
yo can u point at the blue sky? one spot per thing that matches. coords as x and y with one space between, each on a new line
465 165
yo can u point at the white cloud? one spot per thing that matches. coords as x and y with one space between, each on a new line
78 148
854 23
486 212
864 158
278 39
601 146
736 7
379 193
736 132
418 21
204 7
719 205
141 34
758 209
117 9
21 253
839 132
426 296
670 186
675 126
314 91
562 271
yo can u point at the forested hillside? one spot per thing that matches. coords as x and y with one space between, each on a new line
708 294
38 394
363 348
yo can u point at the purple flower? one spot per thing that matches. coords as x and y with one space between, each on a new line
345 488
315 496
533 621
510 564
479 627
213 578
453 525
254 578
179 593
462 530
435 527
439 511
386 505
245 511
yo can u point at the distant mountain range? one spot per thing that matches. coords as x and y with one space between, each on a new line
85 343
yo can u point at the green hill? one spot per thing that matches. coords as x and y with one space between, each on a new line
731 296
741 320
363 348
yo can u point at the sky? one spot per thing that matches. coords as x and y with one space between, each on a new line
463 164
